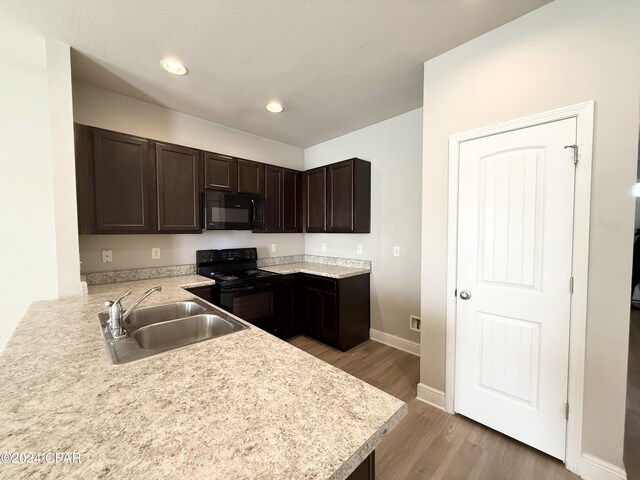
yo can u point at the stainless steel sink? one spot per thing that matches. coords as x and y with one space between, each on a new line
141 317
184 331
160 328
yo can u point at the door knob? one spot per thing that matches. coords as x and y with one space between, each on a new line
465 294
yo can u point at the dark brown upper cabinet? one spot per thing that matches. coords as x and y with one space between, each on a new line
128 184
273 205
115 184
282 198
178 187
338 197
250 177
220 172
349 196
291 201
315 183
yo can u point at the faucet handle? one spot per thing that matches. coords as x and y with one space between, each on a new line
110 303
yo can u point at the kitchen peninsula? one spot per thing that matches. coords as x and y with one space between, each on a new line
246 405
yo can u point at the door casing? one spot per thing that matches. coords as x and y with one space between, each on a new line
584 114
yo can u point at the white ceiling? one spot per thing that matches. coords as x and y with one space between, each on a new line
337 65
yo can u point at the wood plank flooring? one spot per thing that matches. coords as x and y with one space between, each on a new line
430 444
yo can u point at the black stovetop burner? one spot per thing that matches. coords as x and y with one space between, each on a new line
237 266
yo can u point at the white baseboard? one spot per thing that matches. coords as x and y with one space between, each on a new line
431 396
594 468
395 342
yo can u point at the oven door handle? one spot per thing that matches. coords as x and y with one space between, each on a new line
262 286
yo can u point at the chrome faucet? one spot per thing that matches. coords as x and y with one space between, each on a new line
117 318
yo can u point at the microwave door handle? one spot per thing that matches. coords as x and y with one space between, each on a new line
253 213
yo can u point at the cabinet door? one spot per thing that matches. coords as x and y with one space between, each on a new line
220 172
313 311
316 199
291 201
178 188
287 308
250 177
85 187
329 304
124 183
206 293
340 197
321 309
273 204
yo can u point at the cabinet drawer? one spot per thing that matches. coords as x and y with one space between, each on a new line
321 283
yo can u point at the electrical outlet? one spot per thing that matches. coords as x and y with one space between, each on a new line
155 253
414 323
274 248
107 256
359 249
323 247
396 251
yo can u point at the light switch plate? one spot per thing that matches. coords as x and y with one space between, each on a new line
274 248
107 256
396 251
359 249
323 247
155 253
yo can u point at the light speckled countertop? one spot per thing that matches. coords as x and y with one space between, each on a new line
322 269
246 405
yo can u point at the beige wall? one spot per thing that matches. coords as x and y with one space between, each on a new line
566 52
63 162
32 72
394 148
101 108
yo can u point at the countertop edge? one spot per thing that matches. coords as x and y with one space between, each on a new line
293 268
367 448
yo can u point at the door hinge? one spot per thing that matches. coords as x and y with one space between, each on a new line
566 411
571 285
575 152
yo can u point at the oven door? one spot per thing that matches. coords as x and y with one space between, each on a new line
252 303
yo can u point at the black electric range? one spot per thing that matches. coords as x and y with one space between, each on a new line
241 288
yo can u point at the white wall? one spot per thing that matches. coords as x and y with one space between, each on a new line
566 52
101 108
27 221
394 148
63 165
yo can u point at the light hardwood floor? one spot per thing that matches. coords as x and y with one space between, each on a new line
430 444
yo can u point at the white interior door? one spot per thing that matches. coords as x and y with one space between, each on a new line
515 220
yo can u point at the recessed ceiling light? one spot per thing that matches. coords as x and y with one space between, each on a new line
274 107
174 66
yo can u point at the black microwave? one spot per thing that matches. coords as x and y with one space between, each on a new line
233 211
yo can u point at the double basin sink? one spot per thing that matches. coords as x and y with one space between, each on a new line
157 329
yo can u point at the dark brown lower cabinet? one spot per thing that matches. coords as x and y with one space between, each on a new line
366 470
288 308
336 311
205 293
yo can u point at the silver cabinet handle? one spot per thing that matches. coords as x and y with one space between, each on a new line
465 294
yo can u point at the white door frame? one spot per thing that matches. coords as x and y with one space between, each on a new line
584 114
